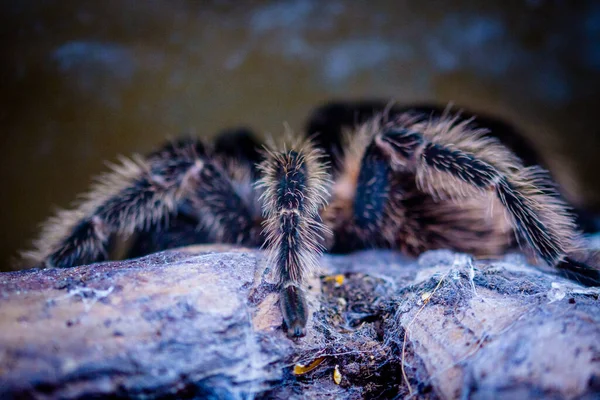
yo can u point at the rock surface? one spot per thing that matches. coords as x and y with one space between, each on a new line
204 323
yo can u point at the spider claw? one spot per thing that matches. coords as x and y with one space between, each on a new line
579 271
294 311
297 332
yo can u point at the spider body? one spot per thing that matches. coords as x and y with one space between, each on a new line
408 179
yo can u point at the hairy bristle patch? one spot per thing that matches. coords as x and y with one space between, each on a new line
295 189
343 189
539 214
453 161
137 194
451 132
219 207
372 196
57 228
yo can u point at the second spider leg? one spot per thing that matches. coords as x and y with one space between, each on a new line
294 183
220 209
360 209
137 195
481 165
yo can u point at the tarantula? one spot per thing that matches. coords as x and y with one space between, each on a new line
407 178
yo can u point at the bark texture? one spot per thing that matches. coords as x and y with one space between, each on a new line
205 323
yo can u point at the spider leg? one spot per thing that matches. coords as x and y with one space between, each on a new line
294 183
578 266
137 195
181 229
452 161
374 206
359 212
330 124
219 208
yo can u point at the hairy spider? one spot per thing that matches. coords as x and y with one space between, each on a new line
407 178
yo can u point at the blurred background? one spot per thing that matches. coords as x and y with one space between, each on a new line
84 81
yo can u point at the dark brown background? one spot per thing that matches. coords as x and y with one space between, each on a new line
84 81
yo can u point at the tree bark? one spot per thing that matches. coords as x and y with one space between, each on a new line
204 323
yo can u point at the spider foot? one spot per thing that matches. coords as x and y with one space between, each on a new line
294 310
581 268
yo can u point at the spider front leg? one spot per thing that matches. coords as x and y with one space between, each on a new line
137 195
295 190
452 161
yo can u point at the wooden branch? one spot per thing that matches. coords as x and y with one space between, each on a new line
195 323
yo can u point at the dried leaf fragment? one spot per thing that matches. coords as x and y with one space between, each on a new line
338 280
337 375
300 369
